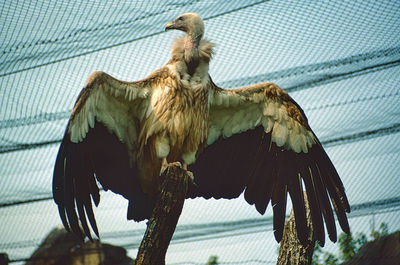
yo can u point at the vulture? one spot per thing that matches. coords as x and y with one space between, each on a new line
254 140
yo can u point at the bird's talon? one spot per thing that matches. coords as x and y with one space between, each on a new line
195 184
177 163
191 177
164 166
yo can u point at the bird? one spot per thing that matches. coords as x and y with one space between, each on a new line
254 140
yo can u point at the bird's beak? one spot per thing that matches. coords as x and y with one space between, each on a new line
170 25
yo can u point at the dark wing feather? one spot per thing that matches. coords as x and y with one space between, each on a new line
58 184
69 192
99 134
279 193
325 203
224 177
75 190
334 186
260 142
261 183
82 173
296 193
315 210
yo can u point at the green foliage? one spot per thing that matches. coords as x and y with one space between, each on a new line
382 231
327 258
212 260
330 259
361 240
316 255
349 245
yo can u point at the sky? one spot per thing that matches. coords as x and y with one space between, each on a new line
338 59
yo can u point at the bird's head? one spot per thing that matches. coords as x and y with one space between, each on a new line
191 23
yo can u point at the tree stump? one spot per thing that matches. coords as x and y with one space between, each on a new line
164 217
291 251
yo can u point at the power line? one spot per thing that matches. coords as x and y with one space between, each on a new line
360 62
15 203
257 225
35 119
330 78
45 117
258 261
106 47
391 129
300 70
353 101
217 230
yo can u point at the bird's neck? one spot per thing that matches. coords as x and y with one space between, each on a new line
191 47
190 51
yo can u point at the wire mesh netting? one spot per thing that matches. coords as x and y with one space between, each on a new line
338 59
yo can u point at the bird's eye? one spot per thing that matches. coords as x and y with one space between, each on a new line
180 18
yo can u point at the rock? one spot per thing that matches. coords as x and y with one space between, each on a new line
63 248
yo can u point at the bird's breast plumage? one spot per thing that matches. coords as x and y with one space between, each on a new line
179 111
183 112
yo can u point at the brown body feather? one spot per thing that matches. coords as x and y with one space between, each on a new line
177 110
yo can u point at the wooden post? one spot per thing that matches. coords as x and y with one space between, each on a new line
164 218
291 251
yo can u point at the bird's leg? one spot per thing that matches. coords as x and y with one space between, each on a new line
162 149
189 157
165 164
190 174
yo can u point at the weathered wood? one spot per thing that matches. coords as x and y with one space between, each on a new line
164 218
291 251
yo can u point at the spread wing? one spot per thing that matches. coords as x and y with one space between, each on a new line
101 141
260 142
